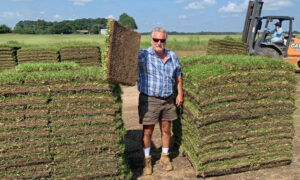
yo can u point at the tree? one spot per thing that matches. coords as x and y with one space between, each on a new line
127 21
4 29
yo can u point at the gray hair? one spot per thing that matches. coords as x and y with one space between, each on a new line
159 29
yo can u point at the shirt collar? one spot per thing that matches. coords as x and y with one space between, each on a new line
150 50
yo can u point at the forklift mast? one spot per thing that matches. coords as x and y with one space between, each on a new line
252 24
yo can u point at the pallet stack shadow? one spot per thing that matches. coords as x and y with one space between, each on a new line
219 47
37 55
60 124
84 56
238 113
7 57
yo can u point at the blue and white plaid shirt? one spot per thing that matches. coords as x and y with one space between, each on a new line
156 78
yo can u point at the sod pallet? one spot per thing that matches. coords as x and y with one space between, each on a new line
60 121
219 47
7 57
122 54
37 55
240 109
84 56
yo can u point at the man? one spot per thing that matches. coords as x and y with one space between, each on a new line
159 71
277 33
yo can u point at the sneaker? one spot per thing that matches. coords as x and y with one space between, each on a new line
147 166
165 162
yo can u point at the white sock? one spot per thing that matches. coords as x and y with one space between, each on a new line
165 150
147 151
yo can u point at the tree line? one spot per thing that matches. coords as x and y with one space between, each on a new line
67 26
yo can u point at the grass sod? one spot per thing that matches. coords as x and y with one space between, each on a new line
63 91
37 56
237 151
248 126
219 167
203 120
84 73
58 89
243 63
39 171
239 77
122 54
249 104
230 87
241 97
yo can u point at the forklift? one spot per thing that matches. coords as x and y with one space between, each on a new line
287 49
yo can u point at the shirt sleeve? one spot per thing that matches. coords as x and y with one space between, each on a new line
142 55
178 72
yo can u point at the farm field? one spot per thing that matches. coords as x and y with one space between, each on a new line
175 42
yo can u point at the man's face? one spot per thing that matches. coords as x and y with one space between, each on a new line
158 41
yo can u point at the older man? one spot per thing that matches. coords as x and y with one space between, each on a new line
159 71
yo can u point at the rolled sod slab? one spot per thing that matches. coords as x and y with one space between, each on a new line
122 55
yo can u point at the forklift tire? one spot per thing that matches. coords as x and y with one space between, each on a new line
268 52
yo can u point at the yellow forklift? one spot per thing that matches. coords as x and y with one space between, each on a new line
287 49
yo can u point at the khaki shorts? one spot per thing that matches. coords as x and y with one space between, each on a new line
154 109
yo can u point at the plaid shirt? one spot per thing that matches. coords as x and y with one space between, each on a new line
156 78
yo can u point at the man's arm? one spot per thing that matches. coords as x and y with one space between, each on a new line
179 98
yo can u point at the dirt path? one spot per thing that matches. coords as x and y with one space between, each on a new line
182 167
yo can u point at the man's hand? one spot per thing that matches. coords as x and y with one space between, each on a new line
179 100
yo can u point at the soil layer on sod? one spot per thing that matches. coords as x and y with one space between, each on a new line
43 56
62 120
83 56
7 57
237 114
122 54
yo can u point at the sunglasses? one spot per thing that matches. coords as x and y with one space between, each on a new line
161 40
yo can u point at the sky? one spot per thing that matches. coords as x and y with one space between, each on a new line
173 15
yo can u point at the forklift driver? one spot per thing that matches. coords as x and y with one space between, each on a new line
277 34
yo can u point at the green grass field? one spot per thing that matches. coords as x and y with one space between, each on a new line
175 42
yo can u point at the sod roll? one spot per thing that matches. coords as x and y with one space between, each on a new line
237 114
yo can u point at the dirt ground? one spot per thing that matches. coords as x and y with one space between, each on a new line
182 167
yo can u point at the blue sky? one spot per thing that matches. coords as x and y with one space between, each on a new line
173 15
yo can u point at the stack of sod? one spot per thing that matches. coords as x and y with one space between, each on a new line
61 121
37 55
238 113
121 53
7 57
84 56
219 47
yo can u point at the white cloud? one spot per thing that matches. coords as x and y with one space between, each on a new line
110 17
80 2
234 7
57 16
183 17
200 4
10 14
42 12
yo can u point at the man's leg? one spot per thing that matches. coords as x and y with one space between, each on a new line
146 141
147 134
165 128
